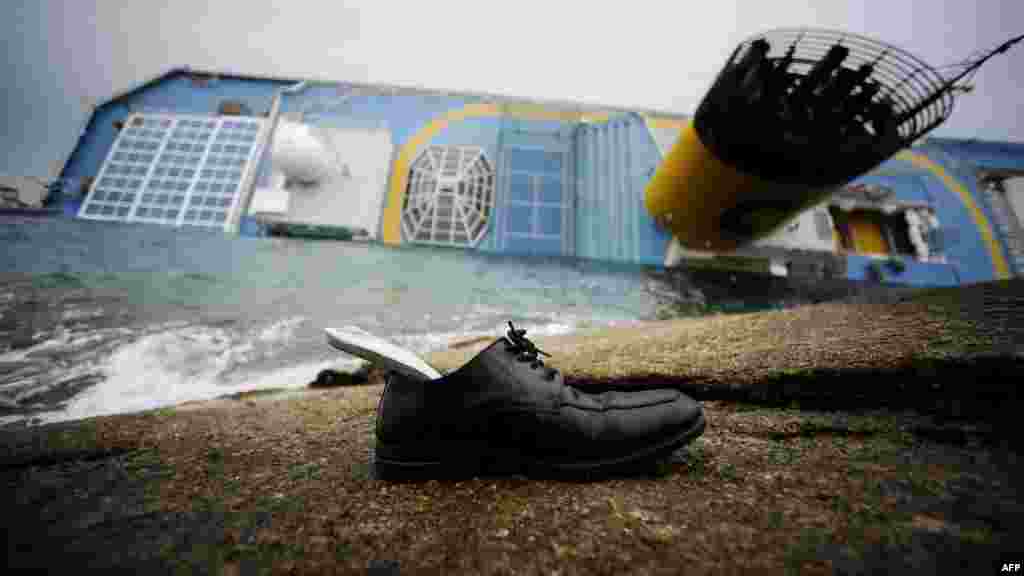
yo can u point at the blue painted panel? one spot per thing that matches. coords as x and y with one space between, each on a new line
966 161
969 253
549 219
553 164
531 127
70 208
249 226
175 93
519 219
519 187
536 246
907 187
403 114
179 94
552 136
536 161
482 132
614 162
985 155
915 274
551 189
540 153
651 240
95 143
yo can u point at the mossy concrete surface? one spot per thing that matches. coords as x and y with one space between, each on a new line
834 470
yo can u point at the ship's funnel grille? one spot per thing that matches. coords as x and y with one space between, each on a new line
449 198
819 107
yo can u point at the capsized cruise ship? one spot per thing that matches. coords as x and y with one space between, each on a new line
256 155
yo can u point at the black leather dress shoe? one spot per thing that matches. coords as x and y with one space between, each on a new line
504 411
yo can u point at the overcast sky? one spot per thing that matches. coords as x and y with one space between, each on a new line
60 55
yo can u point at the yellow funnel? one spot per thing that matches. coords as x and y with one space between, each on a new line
710 205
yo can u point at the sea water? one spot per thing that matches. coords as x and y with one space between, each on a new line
101 318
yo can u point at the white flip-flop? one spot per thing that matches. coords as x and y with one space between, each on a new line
384 353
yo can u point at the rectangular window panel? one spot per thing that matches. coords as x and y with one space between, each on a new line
549 219
169 149
551 189
520 188
519 219
553 163
527 160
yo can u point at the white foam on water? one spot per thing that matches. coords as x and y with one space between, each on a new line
6 420
175 362
184 364
81 314
115 397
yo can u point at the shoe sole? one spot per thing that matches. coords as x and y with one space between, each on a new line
480 461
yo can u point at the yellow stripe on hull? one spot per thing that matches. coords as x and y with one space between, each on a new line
1000 267
692 189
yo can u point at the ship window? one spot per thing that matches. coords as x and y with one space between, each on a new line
872 232
446 203
177 139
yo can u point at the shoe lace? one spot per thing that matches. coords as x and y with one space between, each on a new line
526 351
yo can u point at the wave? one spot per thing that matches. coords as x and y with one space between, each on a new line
191 362
180 363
